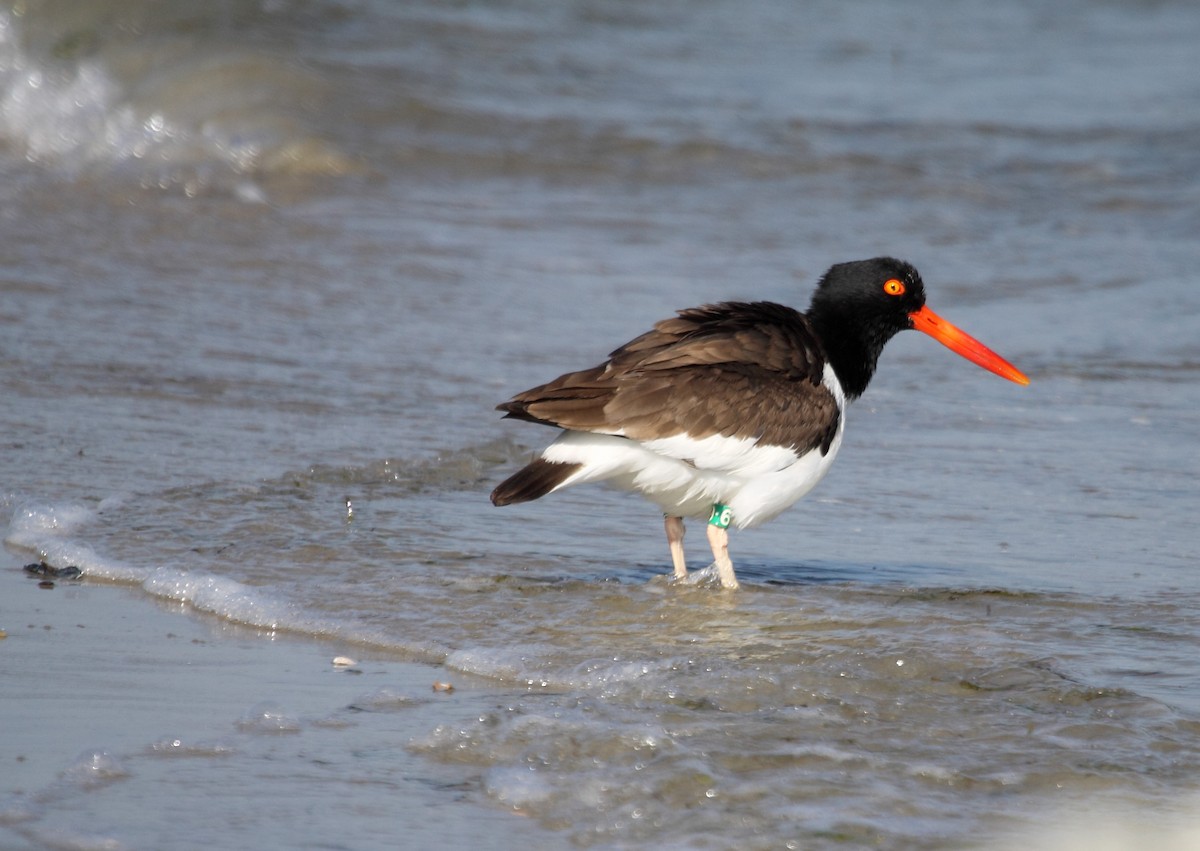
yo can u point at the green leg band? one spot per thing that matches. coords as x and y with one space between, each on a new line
721 516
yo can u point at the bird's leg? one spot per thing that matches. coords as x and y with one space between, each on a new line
674 526
718 539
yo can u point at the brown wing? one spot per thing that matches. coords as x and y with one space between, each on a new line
747 370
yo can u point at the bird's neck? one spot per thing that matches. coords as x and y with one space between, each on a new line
851 348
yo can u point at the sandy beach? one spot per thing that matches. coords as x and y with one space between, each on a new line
129 724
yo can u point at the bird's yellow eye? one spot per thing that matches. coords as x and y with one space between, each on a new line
893 287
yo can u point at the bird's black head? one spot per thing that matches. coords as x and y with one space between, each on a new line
857 308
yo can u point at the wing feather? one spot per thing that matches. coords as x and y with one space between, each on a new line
736 369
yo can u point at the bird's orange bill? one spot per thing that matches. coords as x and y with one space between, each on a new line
925 320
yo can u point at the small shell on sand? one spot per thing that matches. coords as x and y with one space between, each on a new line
343 662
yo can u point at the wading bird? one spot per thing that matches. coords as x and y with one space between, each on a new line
730 412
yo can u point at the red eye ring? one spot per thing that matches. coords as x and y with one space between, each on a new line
892 286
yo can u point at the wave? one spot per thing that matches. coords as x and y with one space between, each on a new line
53 530
60 534
176 106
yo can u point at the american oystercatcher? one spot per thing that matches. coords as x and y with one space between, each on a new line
730 412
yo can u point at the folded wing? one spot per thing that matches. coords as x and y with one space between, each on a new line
739 370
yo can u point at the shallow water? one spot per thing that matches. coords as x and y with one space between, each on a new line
262 262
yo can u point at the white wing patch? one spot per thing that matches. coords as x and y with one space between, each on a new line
738 456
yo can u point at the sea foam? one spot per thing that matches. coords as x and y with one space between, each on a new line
51 531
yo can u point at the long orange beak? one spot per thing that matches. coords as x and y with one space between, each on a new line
927 321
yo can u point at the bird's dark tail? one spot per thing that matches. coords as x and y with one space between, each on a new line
534 480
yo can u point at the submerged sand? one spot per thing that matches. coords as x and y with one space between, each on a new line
127 723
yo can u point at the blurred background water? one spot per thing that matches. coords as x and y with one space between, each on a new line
261 258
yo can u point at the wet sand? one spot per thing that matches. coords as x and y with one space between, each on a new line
132 724
129 724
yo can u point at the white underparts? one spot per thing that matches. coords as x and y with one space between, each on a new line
684 476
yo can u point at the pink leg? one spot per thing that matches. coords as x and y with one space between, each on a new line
718 539
674 526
